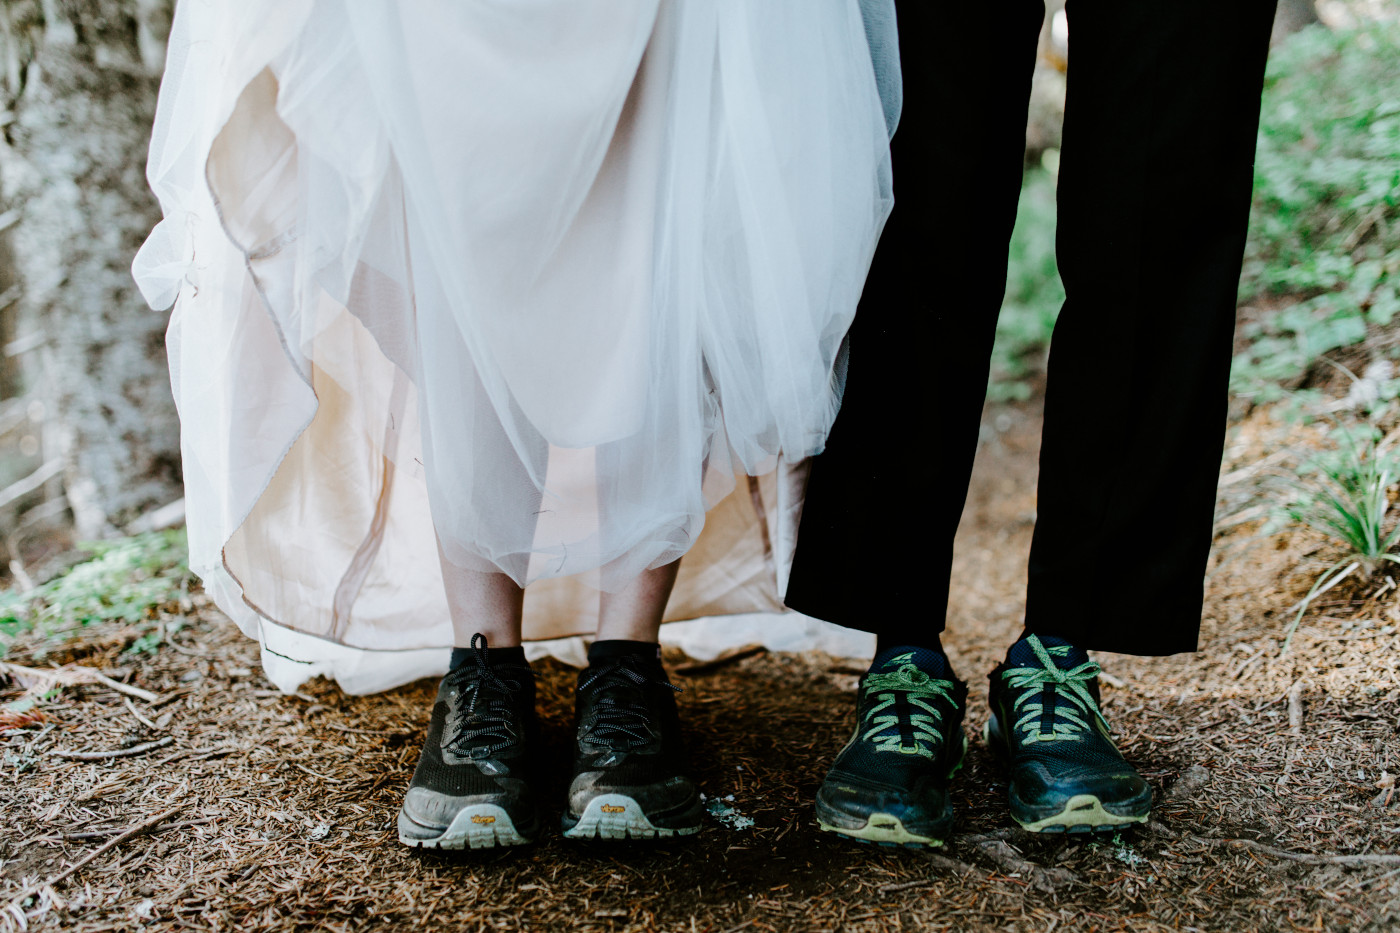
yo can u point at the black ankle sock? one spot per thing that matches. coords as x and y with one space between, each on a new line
601 652
931 660
494 656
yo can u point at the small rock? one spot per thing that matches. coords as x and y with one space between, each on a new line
1191 780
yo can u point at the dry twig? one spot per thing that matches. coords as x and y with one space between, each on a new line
339 728
17 903
938 861
114 753
1295 708
70 676
949 864
1115 682
905 886
104 833
994 847
1307 858
131 707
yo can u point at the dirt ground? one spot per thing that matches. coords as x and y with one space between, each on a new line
1274 776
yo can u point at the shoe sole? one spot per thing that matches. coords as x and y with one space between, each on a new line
617 816
1083 813
480 826
884 829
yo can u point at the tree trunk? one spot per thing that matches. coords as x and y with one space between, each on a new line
81 78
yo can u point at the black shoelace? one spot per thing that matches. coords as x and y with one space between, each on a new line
621 717
485 721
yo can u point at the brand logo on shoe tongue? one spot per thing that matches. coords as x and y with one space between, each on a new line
906 658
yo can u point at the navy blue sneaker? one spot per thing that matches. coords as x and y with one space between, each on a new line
1066 775
889 785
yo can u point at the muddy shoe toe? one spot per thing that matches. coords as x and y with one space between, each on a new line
1066 775
889 785
629 779
473 786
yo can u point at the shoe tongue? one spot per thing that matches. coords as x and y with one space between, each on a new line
1021 654
927 660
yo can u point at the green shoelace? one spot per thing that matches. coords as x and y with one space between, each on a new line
919 691
1063 702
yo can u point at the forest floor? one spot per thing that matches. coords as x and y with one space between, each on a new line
1274 775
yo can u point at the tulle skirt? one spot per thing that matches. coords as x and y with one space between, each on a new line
556 278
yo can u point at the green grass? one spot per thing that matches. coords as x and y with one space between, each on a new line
126 580
1344 493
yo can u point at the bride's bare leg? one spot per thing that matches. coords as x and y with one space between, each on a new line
482 725
634 613
489 603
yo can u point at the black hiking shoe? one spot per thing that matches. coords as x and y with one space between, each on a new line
1066 774
629 762
889 785
473 784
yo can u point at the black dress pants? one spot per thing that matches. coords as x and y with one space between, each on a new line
1154 190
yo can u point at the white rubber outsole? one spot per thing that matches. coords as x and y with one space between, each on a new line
617 816
482 826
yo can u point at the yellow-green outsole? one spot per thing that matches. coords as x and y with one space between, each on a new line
1082 813
882 829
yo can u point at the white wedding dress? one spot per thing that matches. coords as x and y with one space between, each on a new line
552 273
